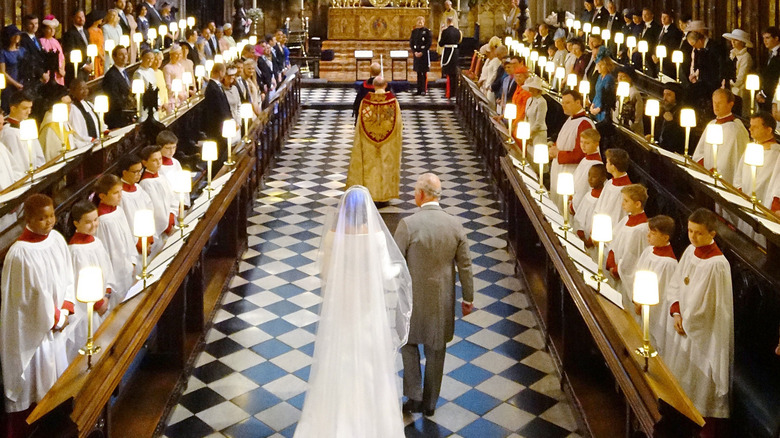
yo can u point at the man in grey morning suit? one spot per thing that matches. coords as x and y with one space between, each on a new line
432 242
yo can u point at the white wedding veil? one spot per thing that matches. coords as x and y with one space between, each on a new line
364 319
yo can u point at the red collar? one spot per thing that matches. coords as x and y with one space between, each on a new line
105 209
32 237
579 115
636 219
167 161
621 181
664 251
368 85
148 174
707 251
594 157
128 187
81 239
728 118
596 192
13 122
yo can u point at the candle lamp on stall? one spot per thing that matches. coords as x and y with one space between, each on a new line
108 47
124 41
560 75
642 47
510 113
28 131
59 115
143 228
253 40
138 90
619 38
101 107
601 232
652 110
138 38
182 184
151 34
623 91
630 45
677 59
90 289
584 90
687 121
229 131
187 81
754 157
606 34
660 53
200 73
533 56
752 83
183 24
541 157
571 81
569 23
190 22
92 53
162 31
247 113
714 136
586 27
565 188
75 59
176 88
646 295
523 133
209 154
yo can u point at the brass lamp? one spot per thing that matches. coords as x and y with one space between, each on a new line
619 38
187 81
541 157
606 34
200 73
92 53
569 23
533 57
75 59
59 115
660 53
138 38
510 113
89 290
752 83
247 113
652 110
565 188
143 228
623 91
587 27
524 134
677 59
101 107
642 47
646 295
138 90
28 131
687 121
152 35
754 157
714 136
209 154
229 131
108 47
190 21
584 90
182 184
560 75
601 233
571 81
549 68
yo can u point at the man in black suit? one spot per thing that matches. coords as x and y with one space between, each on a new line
33 57
266 66
420 43
615 18
219 108
705 77
650 29
544 38
669 37
276 44
600 14
119 5
155 20
117 86
190 39
770 72
77 38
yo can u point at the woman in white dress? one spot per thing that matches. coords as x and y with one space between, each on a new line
366 291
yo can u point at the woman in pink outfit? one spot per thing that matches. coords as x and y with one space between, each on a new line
50 44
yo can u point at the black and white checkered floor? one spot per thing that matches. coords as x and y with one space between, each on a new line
251 379
332 95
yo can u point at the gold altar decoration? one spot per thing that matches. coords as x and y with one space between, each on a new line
373 24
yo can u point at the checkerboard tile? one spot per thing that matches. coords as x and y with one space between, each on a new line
332 95
250 380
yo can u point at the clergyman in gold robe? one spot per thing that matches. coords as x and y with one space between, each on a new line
376 154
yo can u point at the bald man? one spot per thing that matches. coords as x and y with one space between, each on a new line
433 243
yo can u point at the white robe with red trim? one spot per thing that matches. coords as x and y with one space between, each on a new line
118 240
169 171
610 202
583 214
568 141
37 280
164 200
581 185
628 242
735 139
661 323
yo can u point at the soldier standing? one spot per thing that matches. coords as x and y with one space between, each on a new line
449 38
420 43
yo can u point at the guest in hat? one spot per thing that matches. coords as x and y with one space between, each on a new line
536 110
741 64
51 44
93 25
604 97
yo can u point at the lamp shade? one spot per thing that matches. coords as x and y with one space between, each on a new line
174 27
253 39
124 40
138 37
176 85
687 118
752 82
162 30
560 73
623 89
595 30
2 81
606 34
200 71
542 61
569 22
507 40
534 55
660 51
642 46
631 41
510 111
652 108
246 111
541 154
523 131
138 86
209 151
620 38
209 65
59 112
182 182
28 130
89 288
777 91
219 59
183 24
565 184
584 86
186 78
577 24
571 80
92 50
549 67
101 103
109 46
143 223
586 27
677 57
714 134
602 228
229 128
754 154
76 56
152 34
190 21
646 288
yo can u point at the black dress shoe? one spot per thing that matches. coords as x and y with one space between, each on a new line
412 406
429 412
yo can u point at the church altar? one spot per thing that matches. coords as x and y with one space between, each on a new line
373 23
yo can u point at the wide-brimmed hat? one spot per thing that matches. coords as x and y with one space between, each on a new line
696 26
534 82
739 35
51 21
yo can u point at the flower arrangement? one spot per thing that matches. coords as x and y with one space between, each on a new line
256 14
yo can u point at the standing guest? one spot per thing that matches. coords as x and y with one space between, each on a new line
375 161
521 96
227 40
516 19
669 37
589 141
600 14
281 51
582 59
51 44
769 72
34 65
668 132
566 152
165 14
491 71
213 43
632 111
232 93
615 18
134 197
266 66
146 73
703 310
142 21
420 43
37 299
597 52
10 60
250 78
10 136
165 202
536 110
86 250
735 138
164 98
93 23
742 64
559 58
629 240
186 62
155 20
209 50
508 85
529 38
174 70
544 38
610 201
218 105
660 259
190 40
116 234
222 44
241 22
124 22
449 39
433 243
587 13
133 28
112 30
604 98
629 28
705 69
117 86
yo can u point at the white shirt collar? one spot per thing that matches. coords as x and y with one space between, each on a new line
79 28
434 203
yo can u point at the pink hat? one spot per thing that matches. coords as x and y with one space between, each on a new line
259 50
51 21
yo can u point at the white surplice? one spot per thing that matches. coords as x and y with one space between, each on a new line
735 139
628 242
611 199
663 263
164 200
118 240
581 185
20 150
569 150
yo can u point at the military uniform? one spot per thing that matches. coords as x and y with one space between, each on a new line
420 42
449 40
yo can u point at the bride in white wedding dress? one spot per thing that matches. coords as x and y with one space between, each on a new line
364 320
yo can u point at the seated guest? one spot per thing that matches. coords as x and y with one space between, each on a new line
9 173
611 199
134 197
87 250
118 87
10 136
38 297
735 138
659 258
668 132
632 113
701 351
567 152
629 239
165 202
536 110
604 98
589 142
583 215
116 234
175 70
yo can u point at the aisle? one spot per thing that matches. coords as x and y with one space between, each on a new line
251 379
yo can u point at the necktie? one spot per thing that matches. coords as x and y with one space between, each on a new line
83 36
124 73
37 43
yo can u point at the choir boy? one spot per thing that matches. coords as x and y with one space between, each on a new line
611 199
583 216
589 141
164 200
629 239
168 141
21 107
134 197
116 235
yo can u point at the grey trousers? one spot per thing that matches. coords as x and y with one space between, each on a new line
414 389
